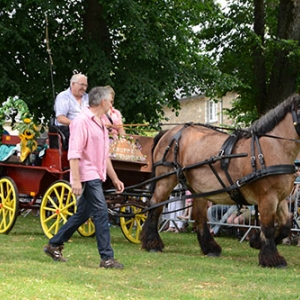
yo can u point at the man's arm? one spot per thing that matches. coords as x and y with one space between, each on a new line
119 185
63 120
76 183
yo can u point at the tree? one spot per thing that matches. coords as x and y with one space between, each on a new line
147 50
258 42
150 52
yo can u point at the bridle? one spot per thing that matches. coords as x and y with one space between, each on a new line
296 118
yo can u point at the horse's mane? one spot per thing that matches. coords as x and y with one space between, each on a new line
267 122
158 137
155 141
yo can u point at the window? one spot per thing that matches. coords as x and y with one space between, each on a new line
212 111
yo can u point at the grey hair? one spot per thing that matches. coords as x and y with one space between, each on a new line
111 90
75 77
99 93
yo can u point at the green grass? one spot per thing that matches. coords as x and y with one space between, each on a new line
180 272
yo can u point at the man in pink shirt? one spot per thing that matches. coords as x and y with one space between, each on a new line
89 163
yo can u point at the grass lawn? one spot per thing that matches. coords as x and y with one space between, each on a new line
180 272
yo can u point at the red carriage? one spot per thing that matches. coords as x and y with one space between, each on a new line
41 183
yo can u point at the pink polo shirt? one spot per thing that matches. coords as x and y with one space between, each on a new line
89 142
116 117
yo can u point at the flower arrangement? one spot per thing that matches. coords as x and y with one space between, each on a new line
126 147
28 131
12 108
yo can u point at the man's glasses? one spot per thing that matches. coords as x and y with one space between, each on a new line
82 84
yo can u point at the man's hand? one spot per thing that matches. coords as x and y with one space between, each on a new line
77 188
119 185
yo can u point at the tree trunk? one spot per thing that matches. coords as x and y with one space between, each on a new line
285 69
95 26
260 93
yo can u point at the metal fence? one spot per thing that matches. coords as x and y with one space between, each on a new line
231 218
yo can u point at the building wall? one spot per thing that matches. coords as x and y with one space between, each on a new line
195 109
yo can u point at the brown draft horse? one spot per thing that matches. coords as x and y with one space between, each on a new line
255 164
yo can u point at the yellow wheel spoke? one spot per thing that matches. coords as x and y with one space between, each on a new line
52 202
87 229
57 205
132 226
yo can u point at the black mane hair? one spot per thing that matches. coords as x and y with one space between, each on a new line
267 122
155 141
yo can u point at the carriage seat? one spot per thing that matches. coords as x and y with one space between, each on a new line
61 131
6 151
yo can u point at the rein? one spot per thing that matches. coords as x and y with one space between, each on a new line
272 170
296 123
225 156
234 189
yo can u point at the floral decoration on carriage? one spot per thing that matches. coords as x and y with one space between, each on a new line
127 148
16 111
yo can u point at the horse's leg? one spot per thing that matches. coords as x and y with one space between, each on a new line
206 241
150 238
255 241
284 220
268 255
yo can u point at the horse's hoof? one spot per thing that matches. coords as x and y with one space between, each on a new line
155 250
281 267
213 254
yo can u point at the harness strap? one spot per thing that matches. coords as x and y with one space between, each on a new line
268 171
271 170
253 159
217 175
175 140
227 148
296 118
260 154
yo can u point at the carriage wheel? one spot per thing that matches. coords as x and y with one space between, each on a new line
9 204
58 204
132 226
87 229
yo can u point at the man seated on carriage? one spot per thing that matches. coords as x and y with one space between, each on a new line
69 103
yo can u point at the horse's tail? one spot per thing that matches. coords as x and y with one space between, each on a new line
155 141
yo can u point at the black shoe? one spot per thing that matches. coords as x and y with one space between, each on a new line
54 252
111 264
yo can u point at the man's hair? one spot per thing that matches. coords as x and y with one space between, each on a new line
98 93
111 90
75 77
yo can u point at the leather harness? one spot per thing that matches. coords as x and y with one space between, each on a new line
225 155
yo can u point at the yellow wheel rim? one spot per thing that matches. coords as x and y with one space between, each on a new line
132 226
58 204
87 229
9 204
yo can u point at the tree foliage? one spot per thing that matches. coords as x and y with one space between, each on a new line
258 42
150 52
146 50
